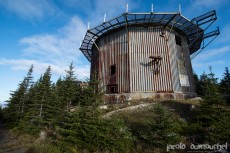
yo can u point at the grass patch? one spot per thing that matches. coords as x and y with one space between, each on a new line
153 127
45 148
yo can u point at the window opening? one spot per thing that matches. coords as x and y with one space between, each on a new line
178 40
112 69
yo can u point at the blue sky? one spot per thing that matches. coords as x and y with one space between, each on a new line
49 32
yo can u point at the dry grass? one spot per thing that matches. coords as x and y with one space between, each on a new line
129 104
12 141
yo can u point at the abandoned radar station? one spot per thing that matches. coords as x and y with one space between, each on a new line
147 55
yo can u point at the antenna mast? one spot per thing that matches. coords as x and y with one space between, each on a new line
179 9
104 17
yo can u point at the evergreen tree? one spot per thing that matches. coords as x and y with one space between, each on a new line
201 84
40 111
212 94
198 85
95 134
219 131
35 95
210 112
13 110
1 113
163 128
208 88
91 95
56 109
45 101
70 87
211 98
28 84
17 104
225 82
31 120
60 91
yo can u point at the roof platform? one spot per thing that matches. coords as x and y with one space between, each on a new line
193 29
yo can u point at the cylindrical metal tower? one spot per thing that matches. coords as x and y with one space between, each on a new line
144 55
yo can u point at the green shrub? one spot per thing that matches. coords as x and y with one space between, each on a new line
153 127
95 134
45 148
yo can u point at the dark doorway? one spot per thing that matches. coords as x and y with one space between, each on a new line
112 88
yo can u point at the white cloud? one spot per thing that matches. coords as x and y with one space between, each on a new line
57 50
29 9
211 57
82 72
205 65
84 6
60 48
40 67
199 7
3 104
224 34
38 44
112 8
207 4
212 53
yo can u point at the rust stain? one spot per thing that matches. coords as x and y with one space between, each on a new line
127 49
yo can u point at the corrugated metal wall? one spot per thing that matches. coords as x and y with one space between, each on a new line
131 57
146 42
114 51
180 53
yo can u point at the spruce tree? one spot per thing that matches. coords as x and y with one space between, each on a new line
210 111
17 104
91 94
45 101
60 90
1 113
212 94
202 84
198 85
225 85
69 87
28 84
40 111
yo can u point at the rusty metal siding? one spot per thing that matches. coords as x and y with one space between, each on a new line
130 50
113 51
146 42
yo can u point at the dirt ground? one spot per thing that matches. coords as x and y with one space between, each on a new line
9 143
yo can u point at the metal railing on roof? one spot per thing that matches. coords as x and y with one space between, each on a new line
192 29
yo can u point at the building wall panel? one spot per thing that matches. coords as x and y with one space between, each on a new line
146 42
130 49
180 53
113 51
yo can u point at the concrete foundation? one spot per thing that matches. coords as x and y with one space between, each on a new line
122 97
